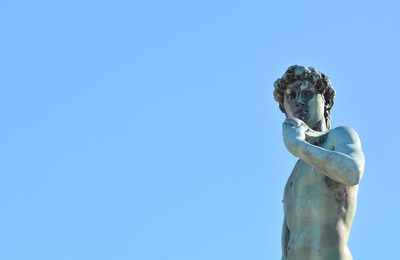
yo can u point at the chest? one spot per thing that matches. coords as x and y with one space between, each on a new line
304 182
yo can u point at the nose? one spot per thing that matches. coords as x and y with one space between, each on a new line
300 101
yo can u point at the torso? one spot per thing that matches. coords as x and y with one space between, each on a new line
319 212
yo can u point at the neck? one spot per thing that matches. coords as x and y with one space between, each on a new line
320 126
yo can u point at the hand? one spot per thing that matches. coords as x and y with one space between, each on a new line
294 134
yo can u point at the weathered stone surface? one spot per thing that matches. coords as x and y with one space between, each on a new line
320 195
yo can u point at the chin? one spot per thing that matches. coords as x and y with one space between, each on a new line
303 118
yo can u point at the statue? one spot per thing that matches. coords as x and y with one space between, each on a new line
320 195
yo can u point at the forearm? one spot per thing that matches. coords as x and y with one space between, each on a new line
336 165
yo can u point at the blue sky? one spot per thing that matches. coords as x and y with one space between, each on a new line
148 130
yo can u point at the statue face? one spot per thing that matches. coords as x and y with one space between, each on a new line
301 101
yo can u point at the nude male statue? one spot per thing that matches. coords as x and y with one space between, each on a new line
321 193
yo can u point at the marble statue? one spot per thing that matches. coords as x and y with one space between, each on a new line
320 195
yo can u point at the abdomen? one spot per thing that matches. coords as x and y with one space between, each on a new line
319 212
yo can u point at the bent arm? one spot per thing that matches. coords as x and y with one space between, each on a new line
344 164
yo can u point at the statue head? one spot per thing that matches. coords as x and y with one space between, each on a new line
302 89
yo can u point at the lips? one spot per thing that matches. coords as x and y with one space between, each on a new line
302 114
302 111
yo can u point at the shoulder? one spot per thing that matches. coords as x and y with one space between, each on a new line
343 135
345 139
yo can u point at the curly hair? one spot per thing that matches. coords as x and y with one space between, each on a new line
319 80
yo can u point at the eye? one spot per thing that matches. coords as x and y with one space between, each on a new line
291 95
309 94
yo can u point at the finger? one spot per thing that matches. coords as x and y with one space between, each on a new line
293 121
287 128
287 125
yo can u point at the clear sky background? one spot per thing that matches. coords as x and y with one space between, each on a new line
148 130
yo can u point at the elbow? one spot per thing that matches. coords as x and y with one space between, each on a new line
355 175
354 180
